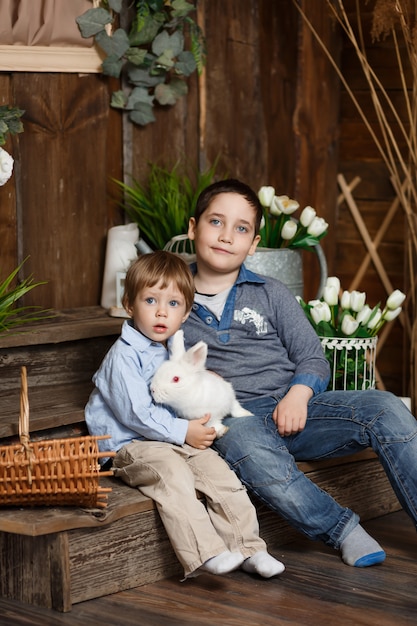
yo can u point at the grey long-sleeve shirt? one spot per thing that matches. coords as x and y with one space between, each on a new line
263 343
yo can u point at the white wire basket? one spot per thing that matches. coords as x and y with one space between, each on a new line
352 362
180 244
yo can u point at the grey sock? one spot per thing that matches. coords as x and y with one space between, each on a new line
360 549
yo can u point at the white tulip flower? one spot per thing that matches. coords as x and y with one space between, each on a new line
307 216
289 229
6 166
330 295
364 315
349 325
286 205
317 227
391 314
321 313
266 195
396 299
375 320
357 300
345 300
333 281
274 207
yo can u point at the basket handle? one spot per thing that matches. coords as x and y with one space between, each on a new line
24 421
24 408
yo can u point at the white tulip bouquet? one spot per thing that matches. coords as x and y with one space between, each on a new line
279 229
348 315
345 315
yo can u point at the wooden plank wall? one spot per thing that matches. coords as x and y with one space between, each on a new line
358 156
267 105
56 209
60 202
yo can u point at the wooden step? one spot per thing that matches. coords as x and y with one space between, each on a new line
67 555
61 356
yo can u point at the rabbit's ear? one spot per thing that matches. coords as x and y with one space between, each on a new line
197 355
177 349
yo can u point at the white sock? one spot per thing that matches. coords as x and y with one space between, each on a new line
360 550
263 564
223 563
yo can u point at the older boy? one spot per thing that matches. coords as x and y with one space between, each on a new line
260 340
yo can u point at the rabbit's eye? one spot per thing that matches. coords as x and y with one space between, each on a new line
176 379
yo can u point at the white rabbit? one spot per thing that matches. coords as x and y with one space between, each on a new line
184 384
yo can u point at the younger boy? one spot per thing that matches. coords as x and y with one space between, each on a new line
260 340
167 457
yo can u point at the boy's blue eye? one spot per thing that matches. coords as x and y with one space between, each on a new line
215 221
173 303
242 229
150 300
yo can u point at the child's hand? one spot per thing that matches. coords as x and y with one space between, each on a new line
199 436
290 414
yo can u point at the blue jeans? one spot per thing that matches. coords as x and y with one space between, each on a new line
339 423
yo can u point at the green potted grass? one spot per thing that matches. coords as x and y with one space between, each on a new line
13 315
162 206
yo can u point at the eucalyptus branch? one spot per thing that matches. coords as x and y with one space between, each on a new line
150 52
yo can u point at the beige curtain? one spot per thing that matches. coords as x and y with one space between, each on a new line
42 22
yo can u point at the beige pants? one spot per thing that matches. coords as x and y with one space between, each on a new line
170 475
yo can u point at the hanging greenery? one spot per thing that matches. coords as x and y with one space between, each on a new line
150 53
10 122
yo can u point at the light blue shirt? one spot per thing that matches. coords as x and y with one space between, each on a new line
121 404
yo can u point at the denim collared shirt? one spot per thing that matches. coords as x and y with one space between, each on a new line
263 344
121 404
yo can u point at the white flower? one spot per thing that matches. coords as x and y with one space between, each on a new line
391 314
266 195
333 281
274 207
345 300
6 166
364 315
321 313
396 299
349 325
357 300
330 295
286 205
375 320
307 216
317 227
289 229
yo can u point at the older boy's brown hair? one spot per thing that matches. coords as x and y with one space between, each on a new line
159 266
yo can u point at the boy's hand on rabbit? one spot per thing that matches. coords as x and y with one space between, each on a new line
290 414
198 435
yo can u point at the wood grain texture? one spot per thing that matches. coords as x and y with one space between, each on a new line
316 589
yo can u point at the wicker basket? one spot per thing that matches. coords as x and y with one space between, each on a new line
51 472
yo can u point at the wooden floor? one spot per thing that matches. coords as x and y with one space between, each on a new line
316 589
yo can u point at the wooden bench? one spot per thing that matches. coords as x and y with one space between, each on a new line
55 557
66 555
